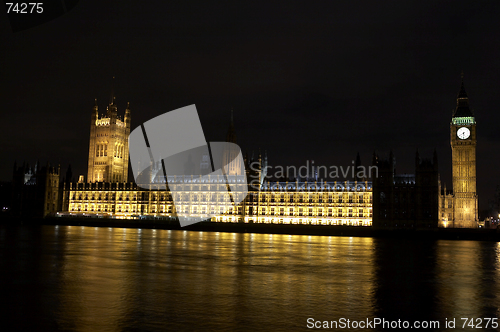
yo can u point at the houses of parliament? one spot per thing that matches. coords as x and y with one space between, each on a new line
390 200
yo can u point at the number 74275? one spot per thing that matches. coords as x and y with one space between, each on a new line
24 7
478 323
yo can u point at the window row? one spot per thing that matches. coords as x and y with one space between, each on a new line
301 198
331 212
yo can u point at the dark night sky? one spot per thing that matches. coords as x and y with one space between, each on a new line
315 80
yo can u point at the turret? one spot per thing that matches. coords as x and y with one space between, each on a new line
93 118
127 119
357 166
231 134
374 158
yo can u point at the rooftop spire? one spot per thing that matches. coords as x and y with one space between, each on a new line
112 99
231 134
357 168
462 109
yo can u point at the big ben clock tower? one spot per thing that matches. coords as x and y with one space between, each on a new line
463 151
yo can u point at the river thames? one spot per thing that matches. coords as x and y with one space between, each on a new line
75 278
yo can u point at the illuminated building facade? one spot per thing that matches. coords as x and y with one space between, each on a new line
458 208
418 200
108 148
395 200
298 202
317 203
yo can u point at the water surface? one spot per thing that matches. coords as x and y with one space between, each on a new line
113 279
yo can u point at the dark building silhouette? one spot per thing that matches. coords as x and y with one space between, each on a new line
406 201
36 192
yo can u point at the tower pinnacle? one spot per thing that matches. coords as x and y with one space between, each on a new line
112 98
462 109
231 134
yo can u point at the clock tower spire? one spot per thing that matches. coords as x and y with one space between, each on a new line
463 150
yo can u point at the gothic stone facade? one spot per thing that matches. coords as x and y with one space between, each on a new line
407 201
458 208
108 148
316 203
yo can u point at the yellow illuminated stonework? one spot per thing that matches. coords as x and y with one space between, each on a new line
315 203
459 208
107 194
108 148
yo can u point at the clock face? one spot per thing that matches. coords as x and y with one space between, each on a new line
463 133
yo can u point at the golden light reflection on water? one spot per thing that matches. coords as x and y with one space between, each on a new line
94 278
112 279
468 275
225 271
